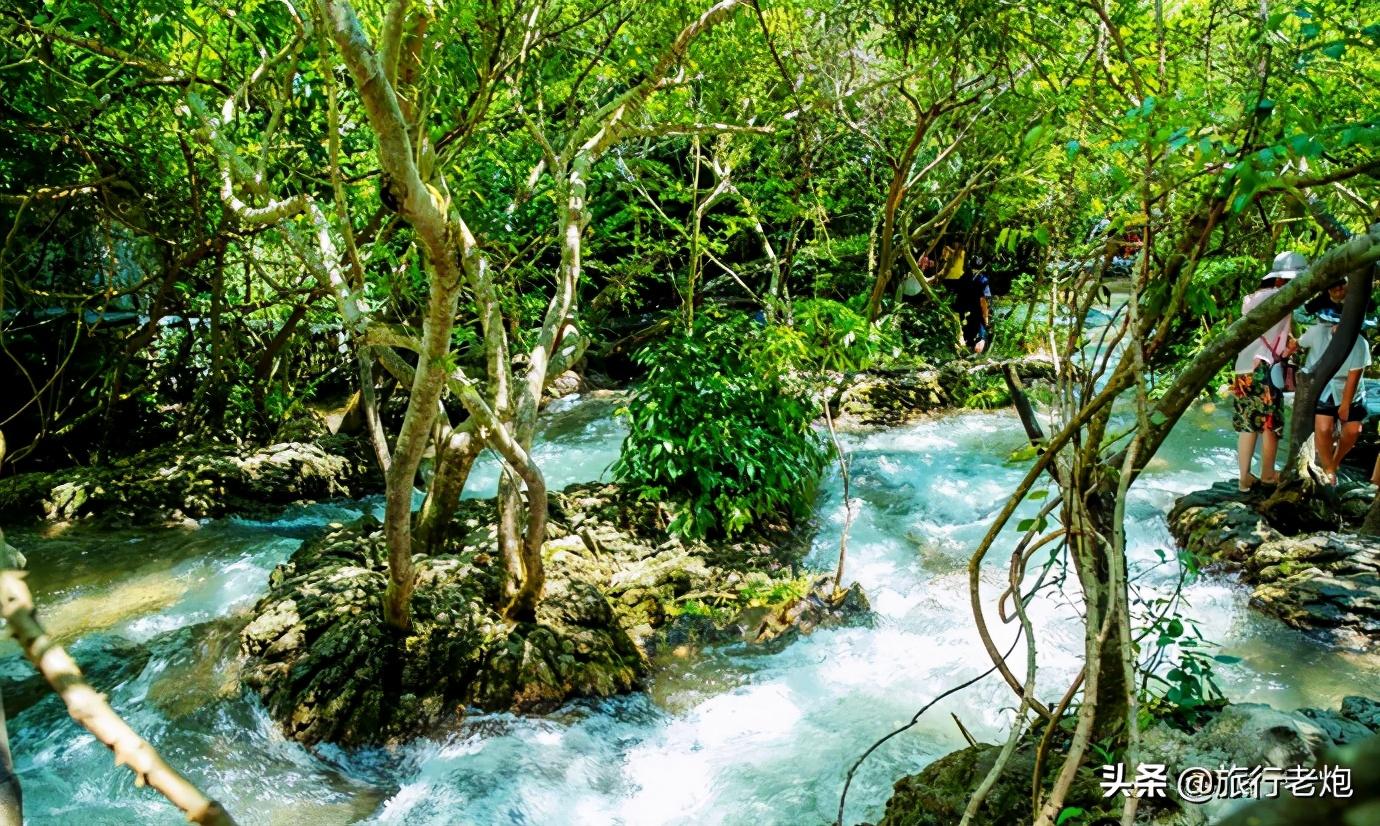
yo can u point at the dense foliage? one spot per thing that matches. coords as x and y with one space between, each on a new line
715 431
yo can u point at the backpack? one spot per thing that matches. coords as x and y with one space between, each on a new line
1281 372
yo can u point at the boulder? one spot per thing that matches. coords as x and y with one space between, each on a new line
329 669
1244 735
183 482
1360 808
1249 735
885 398
618 592
1327 582
1220 525
566 384
822 604
939 793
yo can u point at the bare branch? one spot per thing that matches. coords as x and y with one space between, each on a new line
88 707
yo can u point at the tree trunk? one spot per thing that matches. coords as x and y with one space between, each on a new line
1090 529
456 454
896 192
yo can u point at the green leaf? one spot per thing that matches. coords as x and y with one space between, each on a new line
1023 454
1068 814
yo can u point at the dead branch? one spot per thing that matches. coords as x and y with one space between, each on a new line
88 707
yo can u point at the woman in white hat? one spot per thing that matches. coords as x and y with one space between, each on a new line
1258 405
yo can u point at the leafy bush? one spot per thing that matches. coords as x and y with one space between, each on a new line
1021 326
714 431
828 335
835 267
927 330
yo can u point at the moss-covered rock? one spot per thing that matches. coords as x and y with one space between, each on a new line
884 398
619 591
329 669
1246 734
179 482
1324 581
939 794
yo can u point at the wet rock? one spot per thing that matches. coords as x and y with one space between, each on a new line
178 483
1304 506
821 605
1362 710
1360 808
618 591
1241 734
1245 735
1327 582
1248 735
891 397
939 793
1220 525
566 384
329 669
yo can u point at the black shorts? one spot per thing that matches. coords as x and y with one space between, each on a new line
975 331
1358 412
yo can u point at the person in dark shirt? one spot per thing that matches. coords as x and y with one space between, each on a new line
973 303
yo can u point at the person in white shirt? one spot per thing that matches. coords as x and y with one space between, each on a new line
1258 406
1343 398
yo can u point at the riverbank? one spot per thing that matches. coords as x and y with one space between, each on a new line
177 484
1326 582
890 398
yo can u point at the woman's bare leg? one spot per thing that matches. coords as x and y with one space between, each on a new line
1351 431
1323 443
1269 448
1245 451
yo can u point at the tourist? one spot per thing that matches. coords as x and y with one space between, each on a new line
1258 404
1343 397
972 299
975 310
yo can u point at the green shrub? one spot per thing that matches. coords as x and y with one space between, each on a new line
834 267
837 337
714 432
927 330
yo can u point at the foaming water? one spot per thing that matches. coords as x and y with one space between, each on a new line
739 736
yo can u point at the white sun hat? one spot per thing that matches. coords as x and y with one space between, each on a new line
1287 266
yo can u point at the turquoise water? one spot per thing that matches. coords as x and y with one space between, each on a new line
738 736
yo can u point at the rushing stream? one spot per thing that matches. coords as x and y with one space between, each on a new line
736 736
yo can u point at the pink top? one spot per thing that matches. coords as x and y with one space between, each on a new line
1271 345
